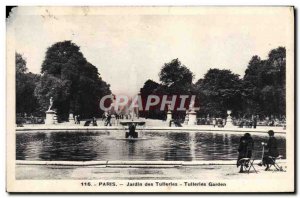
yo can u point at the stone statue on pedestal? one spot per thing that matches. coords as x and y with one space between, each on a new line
169 113
192 115
51 117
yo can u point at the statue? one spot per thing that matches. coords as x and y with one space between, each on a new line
169 107
51 103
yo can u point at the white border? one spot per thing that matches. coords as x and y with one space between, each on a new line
105 2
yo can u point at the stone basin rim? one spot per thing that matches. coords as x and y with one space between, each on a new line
111 163
145 129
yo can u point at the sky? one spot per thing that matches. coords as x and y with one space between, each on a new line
129 46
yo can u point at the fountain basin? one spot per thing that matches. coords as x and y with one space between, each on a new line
153 146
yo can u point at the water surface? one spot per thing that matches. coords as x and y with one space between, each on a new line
152 146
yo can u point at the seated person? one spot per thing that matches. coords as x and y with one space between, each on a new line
87 123
94 121
272 153
245 150
176 123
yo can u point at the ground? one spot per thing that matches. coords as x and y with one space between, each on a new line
143 173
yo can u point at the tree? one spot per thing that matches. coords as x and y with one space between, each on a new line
261 90
73 82
149 87
219 91
177 78
264 84
252 85
26 102
20 64
91 89
51 86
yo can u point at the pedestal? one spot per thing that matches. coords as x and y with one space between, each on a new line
55 119
51 117
169 116
186 119
229 123
192 118
71 118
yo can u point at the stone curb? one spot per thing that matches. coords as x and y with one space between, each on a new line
157 129
144 162
61 163
126 164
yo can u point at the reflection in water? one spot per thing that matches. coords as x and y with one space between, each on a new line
29 143
77 146
178 147
129 149
181 146
192 145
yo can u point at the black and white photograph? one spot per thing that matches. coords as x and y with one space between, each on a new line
150 99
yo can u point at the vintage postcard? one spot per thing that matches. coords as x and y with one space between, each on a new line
150 99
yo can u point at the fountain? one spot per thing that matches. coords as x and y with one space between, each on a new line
132 126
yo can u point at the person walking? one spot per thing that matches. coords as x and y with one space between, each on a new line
108 119
75 119
214 122
78 119
254 122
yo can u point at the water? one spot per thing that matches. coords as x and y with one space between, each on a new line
152 146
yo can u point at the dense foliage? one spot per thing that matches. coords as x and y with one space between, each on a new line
76 86
264 84
26 102
73 82
218 91
176 79
260 92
